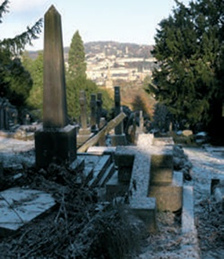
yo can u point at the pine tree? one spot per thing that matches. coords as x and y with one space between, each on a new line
189 49
76 79
76 57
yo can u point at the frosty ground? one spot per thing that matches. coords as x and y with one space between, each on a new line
208 163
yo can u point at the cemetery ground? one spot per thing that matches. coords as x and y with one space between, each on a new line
81 225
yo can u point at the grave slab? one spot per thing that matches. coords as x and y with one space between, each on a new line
19 206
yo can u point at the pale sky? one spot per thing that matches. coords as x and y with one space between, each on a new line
133 21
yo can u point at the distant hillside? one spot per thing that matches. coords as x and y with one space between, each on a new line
111 48
116 48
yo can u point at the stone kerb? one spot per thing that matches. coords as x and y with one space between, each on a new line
144 207
165 186
134 170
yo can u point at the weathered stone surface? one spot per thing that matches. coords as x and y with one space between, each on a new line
124 156
93 123
114 188
101 150
54 101
163 141
118 140
99 169
55 146
144 207
82 101
168 197
83 136
124 159
99 103
187 218
117 107
19 206
56 142
161 168
145 140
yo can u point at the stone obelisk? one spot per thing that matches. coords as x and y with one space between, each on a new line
54 101
56 142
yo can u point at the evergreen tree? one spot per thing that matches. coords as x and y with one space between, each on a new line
76 79
189 48
35 68
15 82
76 57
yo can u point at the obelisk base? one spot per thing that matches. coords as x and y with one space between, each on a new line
55 146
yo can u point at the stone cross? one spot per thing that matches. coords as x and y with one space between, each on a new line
117 100
82 101
54 101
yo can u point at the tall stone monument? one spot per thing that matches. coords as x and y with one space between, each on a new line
56 142
119 138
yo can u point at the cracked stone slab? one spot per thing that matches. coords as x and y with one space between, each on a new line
19 206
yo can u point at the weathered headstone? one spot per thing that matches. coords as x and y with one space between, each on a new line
1 113
4 113
119 138
84 131
99 103
141 122
82 101
93 113
117 107
56 142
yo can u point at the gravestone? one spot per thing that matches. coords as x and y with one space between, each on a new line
84 131
99 104
93 113
117 107
119 137
56 141
8 114
141 122
82 101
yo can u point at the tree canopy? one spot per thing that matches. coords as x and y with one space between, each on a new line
189 49
35 68
15 81
76 57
